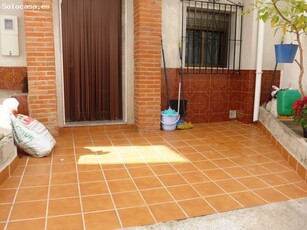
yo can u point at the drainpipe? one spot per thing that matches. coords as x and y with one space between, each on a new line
258 70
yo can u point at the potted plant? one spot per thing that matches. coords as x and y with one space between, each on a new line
300 113
288 16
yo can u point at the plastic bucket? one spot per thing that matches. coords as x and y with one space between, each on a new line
285 53
169 122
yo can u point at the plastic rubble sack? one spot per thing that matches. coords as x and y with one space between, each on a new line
32 136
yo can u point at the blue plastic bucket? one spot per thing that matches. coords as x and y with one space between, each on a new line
169 119
285 53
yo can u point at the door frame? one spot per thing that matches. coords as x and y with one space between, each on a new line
127 66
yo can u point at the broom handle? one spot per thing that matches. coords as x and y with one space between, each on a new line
179 97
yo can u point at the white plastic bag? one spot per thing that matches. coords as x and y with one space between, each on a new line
32 136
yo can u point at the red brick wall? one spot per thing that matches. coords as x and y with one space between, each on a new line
41 64
210 97
147 63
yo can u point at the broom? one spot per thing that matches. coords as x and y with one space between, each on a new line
183 125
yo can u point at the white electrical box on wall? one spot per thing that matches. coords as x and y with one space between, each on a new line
9 35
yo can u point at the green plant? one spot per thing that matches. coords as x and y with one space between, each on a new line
288 16
300 111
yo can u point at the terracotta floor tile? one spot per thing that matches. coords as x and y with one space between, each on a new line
7 195
211 155
163 169
196 207
64 206
91 176
173 179
37 169
156 196
242 161
63 159
35 180
29 210
27 224
223 203
274 167
208 189
224 163
63 178
140 172
39 161
290 176
273 179
271 195
204 147
124 185
302 185
194 157
264 149
128 199
136 216
216 174
167 212
237 172
228 153
116 174
102 220
252 182
183 192
62 191
65 222
205 165
11 182
64 168
192 177
147 182
231 186
248 199
4 211
259 159
32 193
88 167
93 188
97 203
185 167
257 170
292 191
275 157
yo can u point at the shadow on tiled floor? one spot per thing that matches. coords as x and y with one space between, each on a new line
105 178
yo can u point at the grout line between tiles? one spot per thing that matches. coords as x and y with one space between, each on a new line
78 182
48 193
141 195
16 194
187 183
107 185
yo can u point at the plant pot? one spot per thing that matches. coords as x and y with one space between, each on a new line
285 53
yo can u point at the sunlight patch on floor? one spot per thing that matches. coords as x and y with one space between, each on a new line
131 155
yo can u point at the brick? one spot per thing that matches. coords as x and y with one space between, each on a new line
147 63
41 64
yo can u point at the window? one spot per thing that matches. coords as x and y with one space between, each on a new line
212 39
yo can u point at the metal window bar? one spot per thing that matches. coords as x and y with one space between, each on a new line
212 38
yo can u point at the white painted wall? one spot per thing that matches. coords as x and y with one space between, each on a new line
290 72
6 9
171 31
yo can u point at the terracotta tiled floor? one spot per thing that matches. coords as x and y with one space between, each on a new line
104 178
